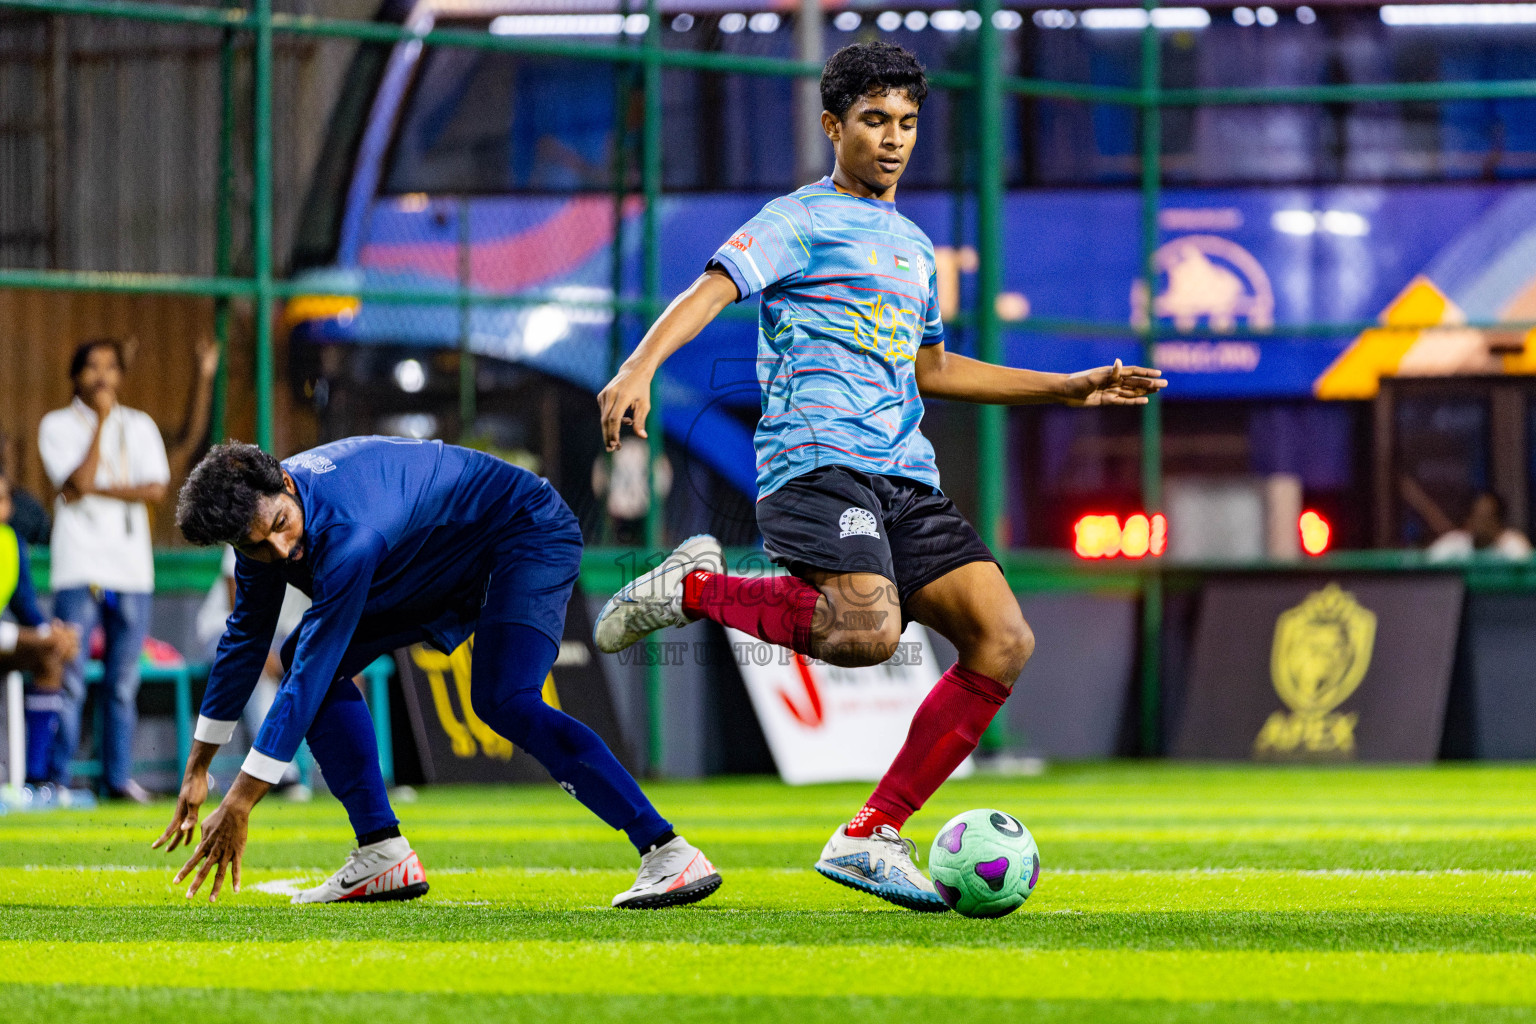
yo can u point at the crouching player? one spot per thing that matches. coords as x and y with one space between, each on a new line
397 542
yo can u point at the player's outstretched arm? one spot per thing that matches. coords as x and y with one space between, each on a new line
257 600
224 837
942 374
189 802
1113 385
627 398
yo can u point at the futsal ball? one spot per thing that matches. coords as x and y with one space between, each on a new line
984 863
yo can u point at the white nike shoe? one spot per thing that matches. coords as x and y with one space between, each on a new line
670 876
386 870
881 865
655 600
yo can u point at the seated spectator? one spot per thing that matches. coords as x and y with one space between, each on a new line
31 644
28 516
1484 533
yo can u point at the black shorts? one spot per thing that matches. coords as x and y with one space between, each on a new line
837 519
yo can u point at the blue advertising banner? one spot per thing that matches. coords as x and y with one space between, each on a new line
1253 258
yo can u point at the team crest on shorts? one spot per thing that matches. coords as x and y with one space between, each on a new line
857 522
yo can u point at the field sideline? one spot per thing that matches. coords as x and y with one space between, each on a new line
1167 893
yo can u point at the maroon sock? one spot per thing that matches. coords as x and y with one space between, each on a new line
778 609
870 818
945 730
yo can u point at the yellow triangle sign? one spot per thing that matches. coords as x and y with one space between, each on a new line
1358 370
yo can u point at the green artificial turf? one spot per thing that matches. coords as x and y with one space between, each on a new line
1167 893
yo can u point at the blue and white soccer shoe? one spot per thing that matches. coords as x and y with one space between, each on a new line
655 600
880 865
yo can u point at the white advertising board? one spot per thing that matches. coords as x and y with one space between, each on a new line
830 724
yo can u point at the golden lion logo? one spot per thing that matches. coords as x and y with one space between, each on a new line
1321 652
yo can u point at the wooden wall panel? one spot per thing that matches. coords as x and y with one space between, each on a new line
40 329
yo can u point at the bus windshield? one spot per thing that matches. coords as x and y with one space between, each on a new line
479 121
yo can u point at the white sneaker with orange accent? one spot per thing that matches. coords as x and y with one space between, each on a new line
386 870
670 876
655 600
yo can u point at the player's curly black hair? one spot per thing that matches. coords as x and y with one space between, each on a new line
218 502
868 68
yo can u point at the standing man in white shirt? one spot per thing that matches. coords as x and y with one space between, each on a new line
107 461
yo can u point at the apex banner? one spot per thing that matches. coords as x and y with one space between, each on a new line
830 724
1322 668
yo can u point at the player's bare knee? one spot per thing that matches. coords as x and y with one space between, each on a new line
1024 643
1014 646
859 633
1000 651
860 648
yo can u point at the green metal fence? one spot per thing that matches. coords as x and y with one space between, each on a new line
986 82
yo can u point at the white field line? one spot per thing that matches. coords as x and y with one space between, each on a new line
281 886
1308 872
95 867
313 871
1088 872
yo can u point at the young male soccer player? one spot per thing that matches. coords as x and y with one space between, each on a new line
849 499
398 542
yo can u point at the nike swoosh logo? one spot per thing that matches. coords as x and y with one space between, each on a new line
347 884
664 879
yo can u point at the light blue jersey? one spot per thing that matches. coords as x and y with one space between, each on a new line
849 294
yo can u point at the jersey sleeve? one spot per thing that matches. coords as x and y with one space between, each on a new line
350 556
774 246
242 650
933 322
